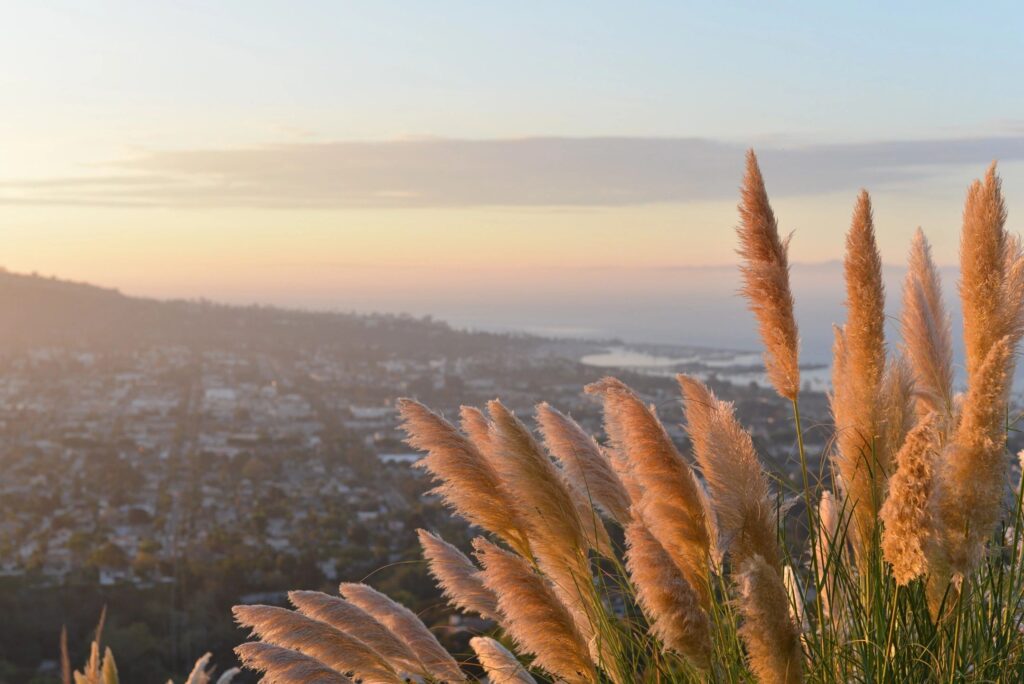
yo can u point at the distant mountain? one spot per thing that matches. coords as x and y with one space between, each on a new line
40 311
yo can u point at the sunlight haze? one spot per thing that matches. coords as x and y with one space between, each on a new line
246 153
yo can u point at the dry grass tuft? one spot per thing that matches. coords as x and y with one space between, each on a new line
502 666
467 480
927 337
741 499
586 466
408 628
670 603
862 459
458 578
670 500
769 632
353 620
283 666
765 271
906 512
534 617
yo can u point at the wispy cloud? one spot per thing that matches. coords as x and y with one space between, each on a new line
514 172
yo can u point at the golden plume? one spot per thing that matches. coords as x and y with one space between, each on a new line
829 548
284 666
670 497
351 619
585 465
669 602
501 666
765 271
468 483
768 631
861 458
458 577
744 506
335 649
905 513
897 414
200 673
972 474
537 488
984 251
407 627
925 327
534 616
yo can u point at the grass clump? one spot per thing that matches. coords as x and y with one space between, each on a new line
908 562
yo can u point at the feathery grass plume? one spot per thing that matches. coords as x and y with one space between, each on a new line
593 525
536 485
797 606
558 534
973 470
765 271
476 426
534 616
90 673
983 267
587 468
200 672
482 435
897 413
353 620
740 496
671 605
227 676
927 336
109 673
699 412
501 666
407 627
768 631
829 549
458 577
905 513
670 496
335 649
1012 295
283 666
861 460
468 483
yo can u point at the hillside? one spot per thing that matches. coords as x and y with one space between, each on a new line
38 311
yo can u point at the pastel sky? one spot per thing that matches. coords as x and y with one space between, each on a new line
309 153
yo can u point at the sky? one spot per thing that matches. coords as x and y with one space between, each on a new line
495 164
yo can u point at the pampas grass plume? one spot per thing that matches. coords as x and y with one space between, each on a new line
351 619
925 327
768 630
408 628
588 469
765 271
670 501
458 578
335 649
284 666
534 617
501 666
671 605
743 504
905 513
468 482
